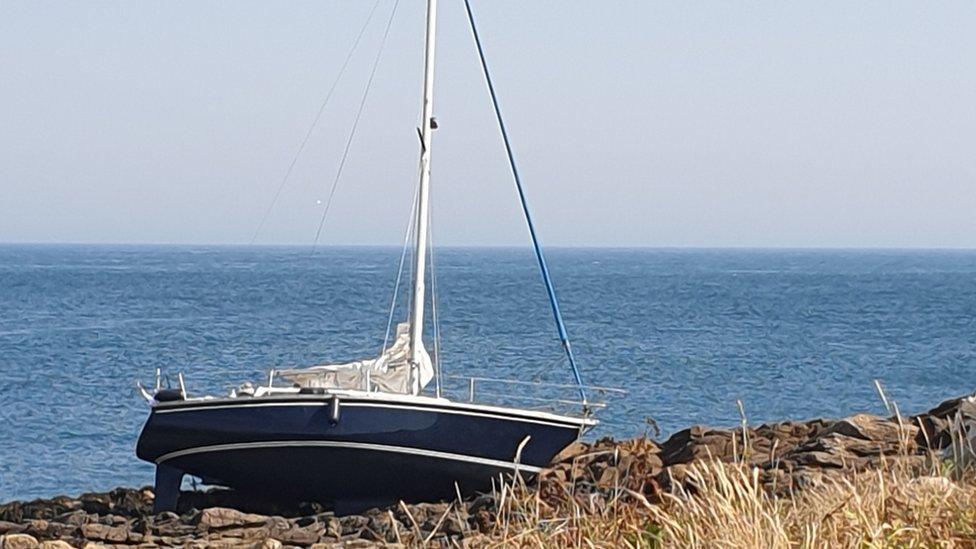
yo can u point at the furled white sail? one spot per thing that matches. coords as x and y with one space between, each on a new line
389 373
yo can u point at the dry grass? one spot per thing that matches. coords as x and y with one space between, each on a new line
911 502
894 506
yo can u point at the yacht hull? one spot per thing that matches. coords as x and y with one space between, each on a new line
349 452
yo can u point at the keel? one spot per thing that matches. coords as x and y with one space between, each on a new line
168 481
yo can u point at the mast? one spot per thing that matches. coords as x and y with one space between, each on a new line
423 212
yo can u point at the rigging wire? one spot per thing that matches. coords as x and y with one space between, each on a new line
554 304
433 309
355 124
399 276
315 121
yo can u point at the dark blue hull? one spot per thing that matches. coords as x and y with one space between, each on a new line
361 452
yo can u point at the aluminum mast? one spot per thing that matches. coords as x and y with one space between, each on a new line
423 212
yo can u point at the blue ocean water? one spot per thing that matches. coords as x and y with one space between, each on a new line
793 334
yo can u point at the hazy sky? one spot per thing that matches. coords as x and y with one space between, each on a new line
635 123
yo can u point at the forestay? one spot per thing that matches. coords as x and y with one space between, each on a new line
388 373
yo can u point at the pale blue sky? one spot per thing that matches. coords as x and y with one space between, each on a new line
635 123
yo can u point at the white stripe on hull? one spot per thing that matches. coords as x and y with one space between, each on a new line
571 422
351 446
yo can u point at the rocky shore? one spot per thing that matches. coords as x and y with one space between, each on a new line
787 457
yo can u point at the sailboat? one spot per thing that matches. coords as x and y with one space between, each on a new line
369 432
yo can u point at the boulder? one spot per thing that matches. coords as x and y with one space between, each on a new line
353 524
222 543
571 452
948 408
170 525
332 526
43 529
18 541
936 425
821 459
103 532
11 527
222 517
933 432
113 520
384 528
298 536
286 531
75 518
55 544
873 428
697 443
18 511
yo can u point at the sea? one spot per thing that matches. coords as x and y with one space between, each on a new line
687 333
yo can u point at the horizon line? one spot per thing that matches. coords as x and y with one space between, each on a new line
690 247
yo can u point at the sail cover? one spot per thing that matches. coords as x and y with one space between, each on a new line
389 373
